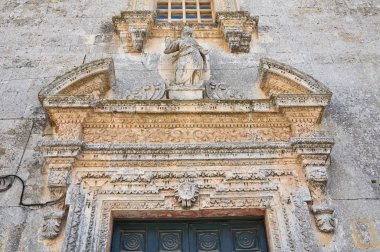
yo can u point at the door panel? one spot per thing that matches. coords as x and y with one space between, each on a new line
190 236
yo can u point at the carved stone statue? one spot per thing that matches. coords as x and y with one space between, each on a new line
190 59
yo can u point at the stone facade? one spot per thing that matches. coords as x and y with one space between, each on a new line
103 141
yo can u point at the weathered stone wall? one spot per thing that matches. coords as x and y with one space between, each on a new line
337 42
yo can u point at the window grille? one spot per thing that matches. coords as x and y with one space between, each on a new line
192 11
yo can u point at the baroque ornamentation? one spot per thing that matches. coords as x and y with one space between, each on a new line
178 135
133 156
251 202
187 193
237 28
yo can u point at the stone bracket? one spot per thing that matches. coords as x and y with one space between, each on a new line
133 28
59 157
237 28
315 156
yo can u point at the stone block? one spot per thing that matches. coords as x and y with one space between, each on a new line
181 93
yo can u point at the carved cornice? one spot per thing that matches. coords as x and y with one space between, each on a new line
82 80
287 79
62 149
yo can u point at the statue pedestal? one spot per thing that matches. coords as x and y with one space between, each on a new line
185 93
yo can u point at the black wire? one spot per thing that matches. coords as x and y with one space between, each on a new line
21 203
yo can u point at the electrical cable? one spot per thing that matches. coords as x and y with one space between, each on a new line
21 203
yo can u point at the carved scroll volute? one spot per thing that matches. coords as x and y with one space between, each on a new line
315 159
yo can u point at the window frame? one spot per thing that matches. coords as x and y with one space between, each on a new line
184 12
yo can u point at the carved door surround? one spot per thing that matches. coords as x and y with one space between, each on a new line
168 159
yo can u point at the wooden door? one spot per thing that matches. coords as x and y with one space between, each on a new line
189 236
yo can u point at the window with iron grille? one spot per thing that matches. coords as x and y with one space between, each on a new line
187 11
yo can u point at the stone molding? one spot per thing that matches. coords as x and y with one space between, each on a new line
72 83
293 80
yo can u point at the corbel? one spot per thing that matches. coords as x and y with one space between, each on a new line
133 28
237 28
315 156
59 159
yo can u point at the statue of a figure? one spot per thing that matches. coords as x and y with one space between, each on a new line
190 59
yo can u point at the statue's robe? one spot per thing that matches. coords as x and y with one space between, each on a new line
190 60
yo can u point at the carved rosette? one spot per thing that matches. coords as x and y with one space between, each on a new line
187 193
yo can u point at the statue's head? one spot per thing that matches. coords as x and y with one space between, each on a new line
187 32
